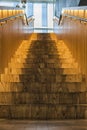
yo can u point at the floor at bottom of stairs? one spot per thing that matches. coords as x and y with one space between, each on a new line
43 125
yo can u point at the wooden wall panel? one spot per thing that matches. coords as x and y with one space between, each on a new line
9 12
74 33
11 35
10 41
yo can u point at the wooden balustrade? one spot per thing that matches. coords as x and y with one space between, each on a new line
11 35
76 11
74 32
7 12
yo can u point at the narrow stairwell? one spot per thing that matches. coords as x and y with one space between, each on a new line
42 82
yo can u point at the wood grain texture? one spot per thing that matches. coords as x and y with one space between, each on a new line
74 33
43 125
11 35
47 87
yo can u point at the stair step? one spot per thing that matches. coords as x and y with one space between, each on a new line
40 76
23 59
37 87
59 71
39 111
63 66
38 61
49 64
44 58
42 98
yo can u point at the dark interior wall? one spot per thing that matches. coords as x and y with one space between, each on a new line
83 3
64 3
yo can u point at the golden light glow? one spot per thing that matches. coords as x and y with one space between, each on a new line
76 12
79 13
4 13
0 14
85 13
10 13
72 12
7 13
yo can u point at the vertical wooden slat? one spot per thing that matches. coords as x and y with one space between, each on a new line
74 34
11 34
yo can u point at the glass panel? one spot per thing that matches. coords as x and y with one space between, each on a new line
29 9
50 15
38 15
44 15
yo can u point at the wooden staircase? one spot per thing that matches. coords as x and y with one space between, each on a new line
42 82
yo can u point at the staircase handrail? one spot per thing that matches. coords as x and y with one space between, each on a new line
58 19
30 19
75 17
4 20
55 18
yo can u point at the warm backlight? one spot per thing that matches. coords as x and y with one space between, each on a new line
7 13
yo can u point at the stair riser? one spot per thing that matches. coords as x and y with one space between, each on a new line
46 99
26 71
33 61
43 59
49 65
42 88
43 112
40 77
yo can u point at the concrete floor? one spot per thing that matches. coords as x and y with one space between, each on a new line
43 125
